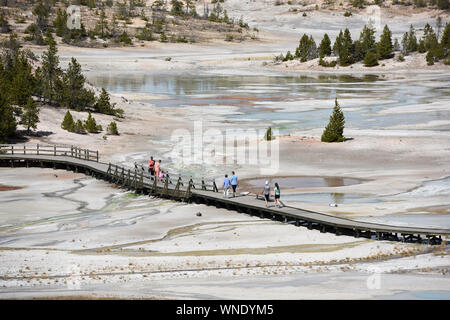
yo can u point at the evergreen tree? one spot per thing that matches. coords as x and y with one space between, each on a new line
102 25
396 45
91 125
22 82
50 69
429 38
68 123
385 48
268 136
79 128
325 46
103 105
335 129
445 41
177 7
405 44
346 51
74 95
60 22
307 49
112 128
42 11
30 115
7 120
411 45
367 38
338 43
371 60
4 25
430 58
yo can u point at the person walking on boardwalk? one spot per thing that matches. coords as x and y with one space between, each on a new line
276 190
157 168
151 166
266 192
234 183
226 186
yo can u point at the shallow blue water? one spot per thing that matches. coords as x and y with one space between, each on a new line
263 98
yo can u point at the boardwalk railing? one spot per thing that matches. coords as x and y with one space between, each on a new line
186 188
48 150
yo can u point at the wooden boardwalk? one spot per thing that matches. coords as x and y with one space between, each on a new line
202 191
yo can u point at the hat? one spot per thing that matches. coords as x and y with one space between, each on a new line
267 182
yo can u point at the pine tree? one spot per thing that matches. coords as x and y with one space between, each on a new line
112 128
79 128
346 51
60 22
325 46
268 136
50 69
30 115
335 129
103 104
338 44
23 81
102 25
177 7
4 25
7 120
74 95
445 41
371 60
68 123
411 45
91 125
385 47
42 11
367 38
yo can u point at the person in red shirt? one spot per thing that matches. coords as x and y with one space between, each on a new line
151 166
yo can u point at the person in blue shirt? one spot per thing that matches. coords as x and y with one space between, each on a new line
226 186
234 183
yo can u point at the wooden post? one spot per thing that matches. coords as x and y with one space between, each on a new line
12 149
71 152
142 181
135 179
155 184
215 189
37 148
166 186
203 184
188 191
54 150
122 178
88 155
129 178
24 149
97 155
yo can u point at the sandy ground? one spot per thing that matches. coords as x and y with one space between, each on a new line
95 240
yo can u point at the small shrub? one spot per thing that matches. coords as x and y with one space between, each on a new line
91 125
68 123
347 14
79 128
112 128
268 136
370 59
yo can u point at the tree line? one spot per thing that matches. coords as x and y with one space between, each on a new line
26 81
348 51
